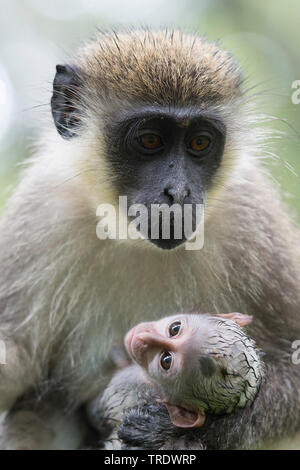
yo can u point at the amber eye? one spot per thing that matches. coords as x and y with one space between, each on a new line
166 360
199 143
175 328
151 141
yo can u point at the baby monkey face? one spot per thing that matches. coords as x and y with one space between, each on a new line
163 347
159 346
188 355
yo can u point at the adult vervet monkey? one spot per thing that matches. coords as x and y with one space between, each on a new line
159 117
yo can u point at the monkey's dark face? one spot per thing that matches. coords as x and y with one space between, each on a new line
161 157
165 156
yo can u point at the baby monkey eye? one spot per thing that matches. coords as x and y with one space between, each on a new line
166 360
175 328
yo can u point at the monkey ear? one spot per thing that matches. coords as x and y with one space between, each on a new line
64 102
239 318
183 418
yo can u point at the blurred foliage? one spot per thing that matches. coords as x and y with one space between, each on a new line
35 35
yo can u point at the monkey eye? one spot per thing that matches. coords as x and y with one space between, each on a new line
199 144
175 328
166 360
150 142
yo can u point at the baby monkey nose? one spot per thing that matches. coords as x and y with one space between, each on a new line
154 341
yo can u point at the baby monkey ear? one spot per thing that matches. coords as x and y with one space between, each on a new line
239 318
183 418
65 100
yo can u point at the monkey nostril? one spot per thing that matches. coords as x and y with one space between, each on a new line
142 342
168 194
177 195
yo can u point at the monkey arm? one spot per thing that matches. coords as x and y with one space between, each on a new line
275 412
272 295
105 412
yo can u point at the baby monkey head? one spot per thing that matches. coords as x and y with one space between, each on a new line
201 363
154 112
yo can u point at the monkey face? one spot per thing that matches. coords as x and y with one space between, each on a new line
189 355
162 347
168 157
151 109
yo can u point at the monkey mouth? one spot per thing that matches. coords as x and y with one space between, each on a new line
168 244
165 237
167 227
167 241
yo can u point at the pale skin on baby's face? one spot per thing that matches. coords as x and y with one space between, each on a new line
165 349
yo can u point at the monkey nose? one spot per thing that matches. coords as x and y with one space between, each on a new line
145 344
153 340
177 194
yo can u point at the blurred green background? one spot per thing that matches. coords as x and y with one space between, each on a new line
35 35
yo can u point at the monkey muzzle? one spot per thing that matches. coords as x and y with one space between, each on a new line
168 227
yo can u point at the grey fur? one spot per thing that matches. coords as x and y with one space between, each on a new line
65 297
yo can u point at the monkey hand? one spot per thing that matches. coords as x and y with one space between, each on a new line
149 427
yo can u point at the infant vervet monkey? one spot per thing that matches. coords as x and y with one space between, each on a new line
194 364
